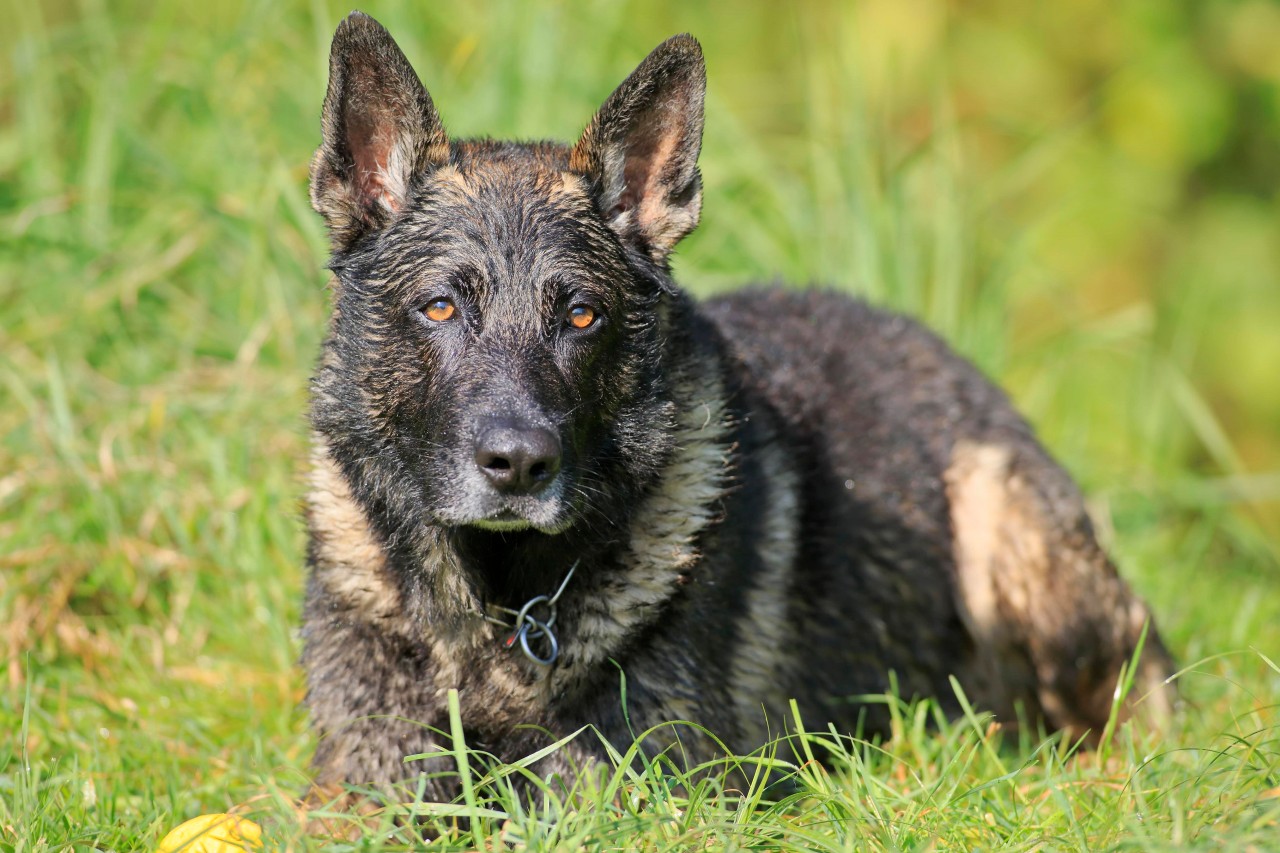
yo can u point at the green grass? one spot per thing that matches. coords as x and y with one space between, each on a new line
162 298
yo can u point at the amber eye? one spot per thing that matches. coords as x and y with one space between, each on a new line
439 310
581 316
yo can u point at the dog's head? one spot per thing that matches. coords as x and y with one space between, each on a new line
496 338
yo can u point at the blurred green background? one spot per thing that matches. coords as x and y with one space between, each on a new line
1084 197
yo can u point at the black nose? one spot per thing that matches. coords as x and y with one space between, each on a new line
518 460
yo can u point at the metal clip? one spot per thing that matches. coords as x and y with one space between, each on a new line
528 628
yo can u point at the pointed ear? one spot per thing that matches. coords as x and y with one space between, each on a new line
640 152
381 132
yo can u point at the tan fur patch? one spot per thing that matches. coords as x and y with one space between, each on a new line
451 176
1001 559
977 487
569 185
351 564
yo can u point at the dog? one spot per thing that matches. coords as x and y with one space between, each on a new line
540 467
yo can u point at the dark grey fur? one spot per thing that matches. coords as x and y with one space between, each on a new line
769 496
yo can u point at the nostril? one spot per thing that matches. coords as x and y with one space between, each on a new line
498 464
539 471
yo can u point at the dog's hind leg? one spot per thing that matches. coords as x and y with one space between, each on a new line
1053 622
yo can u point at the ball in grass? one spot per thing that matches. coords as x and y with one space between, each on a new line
213 833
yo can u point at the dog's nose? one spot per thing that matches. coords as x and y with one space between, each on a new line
518 460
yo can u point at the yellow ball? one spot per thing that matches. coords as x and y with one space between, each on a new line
213 833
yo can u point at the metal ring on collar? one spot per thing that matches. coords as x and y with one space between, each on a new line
544 629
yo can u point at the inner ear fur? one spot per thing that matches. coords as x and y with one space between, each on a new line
381 132
640 151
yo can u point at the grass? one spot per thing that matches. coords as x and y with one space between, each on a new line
161 301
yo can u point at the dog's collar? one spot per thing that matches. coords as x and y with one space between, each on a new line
528 628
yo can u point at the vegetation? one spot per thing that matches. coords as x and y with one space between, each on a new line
1084 197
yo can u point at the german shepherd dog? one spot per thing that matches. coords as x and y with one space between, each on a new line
539 466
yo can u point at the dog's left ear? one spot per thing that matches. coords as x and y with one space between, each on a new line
640 152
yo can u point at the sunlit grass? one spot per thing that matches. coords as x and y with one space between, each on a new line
935 784
161 302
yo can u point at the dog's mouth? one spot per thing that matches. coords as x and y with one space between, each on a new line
510 521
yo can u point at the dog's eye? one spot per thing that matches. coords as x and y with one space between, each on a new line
581 316
439 310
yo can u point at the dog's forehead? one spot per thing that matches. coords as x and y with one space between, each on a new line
501 190
509 176
516 210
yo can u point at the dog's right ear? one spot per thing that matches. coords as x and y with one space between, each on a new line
640 152
381 132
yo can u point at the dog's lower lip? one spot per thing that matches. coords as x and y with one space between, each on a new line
510 521
507 520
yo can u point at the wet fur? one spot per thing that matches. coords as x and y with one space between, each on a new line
768 496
